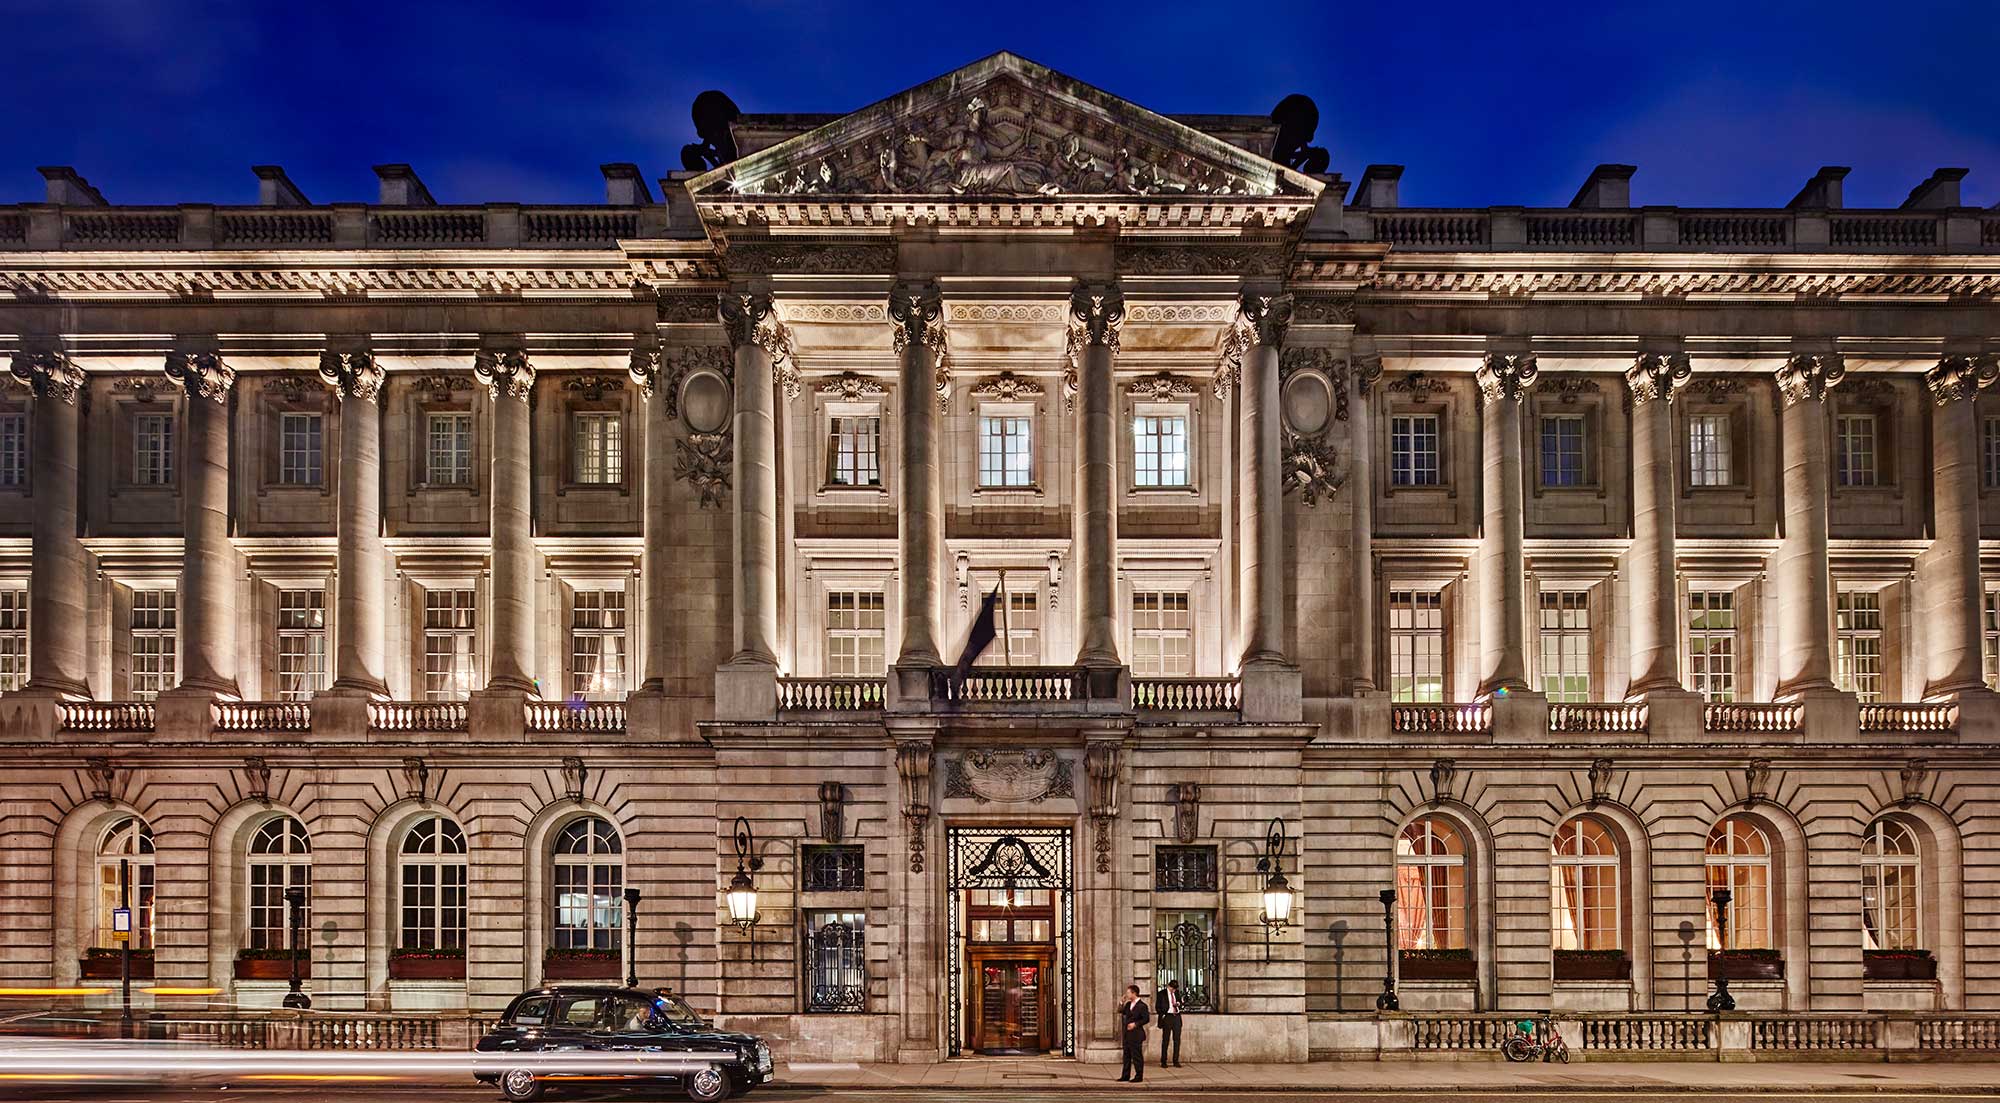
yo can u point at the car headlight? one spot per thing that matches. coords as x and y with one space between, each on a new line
763 1057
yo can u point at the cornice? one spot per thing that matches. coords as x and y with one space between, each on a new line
1674 277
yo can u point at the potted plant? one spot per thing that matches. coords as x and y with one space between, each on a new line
406 963
579 963
1436 965
271 964
1593 965
1898 965
1746 965
101 963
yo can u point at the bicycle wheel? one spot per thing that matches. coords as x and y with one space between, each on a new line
1518 1048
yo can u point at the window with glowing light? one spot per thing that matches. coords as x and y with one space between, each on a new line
1430 886
1739 859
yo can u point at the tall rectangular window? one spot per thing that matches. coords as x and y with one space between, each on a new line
1854 449
450 644
299 458
854 451
155 642
1413 450
836 953
1184 954
13 450
1708 450
1989 450
1566 645
1712 644
854 634
1162 634
448 449
1857 621
1160 450
597 644
1416 645
1562 450
153 449
13 640
1991 623
301 643
1005 452
599 447
1018 636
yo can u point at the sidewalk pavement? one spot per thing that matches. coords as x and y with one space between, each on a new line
1052 1075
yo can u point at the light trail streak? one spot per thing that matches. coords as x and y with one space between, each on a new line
159 1062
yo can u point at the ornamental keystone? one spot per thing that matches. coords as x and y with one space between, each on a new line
1957 377
1810 376
1657 375
352 375
48 375
1507 375
504 371
201 374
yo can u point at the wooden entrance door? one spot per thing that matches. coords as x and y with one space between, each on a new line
1013 1005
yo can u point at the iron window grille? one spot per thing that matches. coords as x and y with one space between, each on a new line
1024 859
835 869
836 953
1184 869
1185 952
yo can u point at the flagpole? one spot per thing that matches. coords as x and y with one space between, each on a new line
1006 623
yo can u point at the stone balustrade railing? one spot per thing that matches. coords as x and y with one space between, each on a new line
1815 1032
1922 717
1187 694
105 716
1611 717
1676 229
1744 716
1013 684
38 227
262 716
1700 1036
576 716
417 716
831 694
1647 1033
1466 719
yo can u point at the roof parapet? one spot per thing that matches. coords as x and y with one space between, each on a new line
1822 192
1379 186
67 188
1609 188
275 189
402 188
624 187
1939 192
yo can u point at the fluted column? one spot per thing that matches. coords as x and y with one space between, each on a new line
916 310
659 552
1948 573
59 570
207 615
510 382
1097 311
1504 383
361 590
1361 377
1655 631
1263 320
761 344
1804 579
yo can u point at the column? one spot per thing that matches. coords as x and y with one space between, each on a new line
207 612
1361 377
1950 594
760 342
1804 580
59 570
361 589
1655 631
916 310
1259 478
510 383
659 552
1504 382
1096 311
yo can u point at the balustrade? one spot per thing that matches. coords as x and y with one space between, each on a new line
417 716
262 716
1187 694
1025 684
576 716
1801 1032
1469 719
1630 717
1648 1033
105 716
1909 718
831 694
1784 716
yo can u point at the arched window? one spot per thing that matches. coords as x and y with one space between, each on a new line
1430 886
432 868
1583 887
1889 916
1739 859
280 859
590 886
129 841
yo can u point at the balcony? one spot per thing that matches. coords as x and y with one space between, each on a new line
833 695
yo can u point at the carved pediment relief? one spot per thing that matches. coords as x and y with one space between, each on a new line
1009 777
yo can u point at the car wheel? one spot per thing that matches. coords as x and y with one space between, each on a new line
709 1085
520 1085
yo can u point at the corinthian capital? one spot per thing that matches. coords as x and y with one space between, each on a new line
749 319
1096 313
1657 375
201 374
48 375
645 370
1809 376
1507 375
916 309
1957 377
1265 317
351 375
504 372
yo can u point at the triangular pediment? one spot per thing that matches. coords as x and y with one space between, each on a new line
1004 128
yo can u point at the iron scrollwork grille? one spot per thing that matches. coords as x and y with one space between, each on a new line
836 954
835 869
1003 858
1186 953
1184 869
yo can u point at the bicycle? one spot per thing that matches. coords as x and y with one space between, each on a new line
1529 1043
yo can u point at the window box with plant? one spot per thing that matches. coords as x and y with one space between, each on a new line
271 964
1746 965
1898 965
1436 965
409 964
1593 965
101 963
577 963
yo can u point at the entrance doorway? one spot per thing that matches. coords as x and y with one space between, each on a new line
1010 910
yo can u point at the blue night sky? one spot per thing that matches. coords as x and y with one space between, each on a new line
1719 104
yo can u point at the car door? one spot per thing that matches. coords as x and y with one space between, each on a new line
527 1026
575 1023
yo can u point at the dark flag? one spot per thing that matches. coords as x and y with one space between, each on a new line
985 627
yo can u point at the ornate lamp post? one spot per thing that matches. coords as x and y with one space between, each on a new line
295 908
1721 1000
742 895
632 938
1387 1001
1277 890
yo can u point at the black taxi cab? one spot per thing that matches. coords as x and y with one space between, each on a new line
605 1035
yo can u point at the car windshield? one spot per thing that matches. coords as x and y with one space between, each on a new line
674 1011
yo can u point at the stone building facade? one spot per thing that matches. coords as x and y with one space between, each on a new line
1544 569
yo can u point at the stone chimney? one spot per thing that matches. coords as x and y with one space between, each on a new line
1378 187
1822 192
275 189
401 188
1609 188
1937 193
67 189
624 187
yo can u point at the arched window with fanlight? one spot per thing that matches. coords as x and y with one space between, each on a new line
589 886
1584 903
129 841
1739 859
280 859
431 873
1890 871
1430 886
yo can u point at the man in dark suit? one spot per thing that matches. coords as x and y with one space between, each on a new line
1134 1018
1170 1023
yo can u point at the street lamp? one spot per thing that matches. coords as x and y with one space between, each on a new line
295 906
1277 890
1721 1000
632 938
1387 1001
742 895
